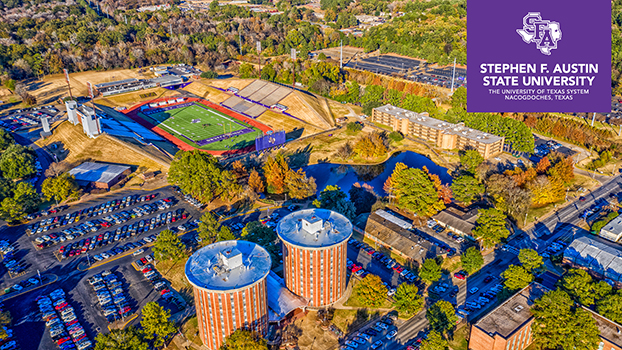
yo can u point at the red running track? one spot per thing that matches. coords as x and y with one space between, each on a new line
132 112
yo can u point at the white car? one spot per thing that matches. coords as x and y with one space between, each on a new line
392 334
138 252
473 290
352 344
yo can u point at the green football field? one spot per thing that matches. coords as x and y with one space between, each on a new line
198 122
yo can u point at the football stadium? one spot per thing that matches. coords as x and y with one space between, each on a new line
193 123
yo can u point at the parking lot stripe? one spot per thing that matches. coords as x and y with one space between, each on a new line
128 321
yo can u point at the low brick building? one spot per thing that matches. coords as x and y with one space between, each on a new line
508 326
99 175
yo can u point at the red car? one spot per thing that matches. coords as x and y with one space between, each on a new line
356 268
78 339
459 276
62 249
60 306
370 252
398 269
164 291
63 340
146 269
143 260
71 323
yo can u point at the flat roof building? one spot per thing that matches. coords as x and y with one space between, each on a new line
613 230
230 289
99 175
457 220
508 326
314 254
443 134
596 256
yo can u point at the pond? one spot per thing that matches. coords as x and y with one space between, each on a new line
345 176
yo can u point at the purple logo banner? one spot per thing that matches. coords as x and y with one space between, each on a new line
539 56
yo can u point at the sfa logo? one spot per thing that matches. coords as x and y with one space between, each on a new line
544 33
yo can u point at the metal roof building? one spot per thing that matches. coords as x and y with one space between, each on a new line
230 289
596 256
613 230
314 254
99 175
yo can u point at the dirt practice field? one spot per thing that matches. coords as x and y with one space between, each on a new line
54 86
236 83
104 148
131 98
207 92
348 52
309 108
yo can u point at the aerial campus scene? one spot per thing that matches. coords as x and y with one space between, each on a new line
293 174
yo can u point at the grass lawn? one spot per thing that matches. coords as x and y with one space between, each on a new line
460 341
349 320
175 274
197 122
190 329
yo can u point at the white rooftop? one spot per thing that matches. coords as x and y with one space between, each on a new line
281 301
314 228
394 219
228 265
97 172
596 255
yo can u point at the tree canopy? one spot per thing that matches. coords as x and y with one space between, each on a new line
582 288
407 299
434 341
442 317
60 187
121 339
18 162
559 322
244 340
430 271
472 260
470 159
414 190
168 246
370 291
516 277
466 189
333 198
490 227
200 175
610 306
530 259
156 323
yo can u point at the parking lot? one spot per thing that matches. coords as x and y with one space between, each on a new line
28 117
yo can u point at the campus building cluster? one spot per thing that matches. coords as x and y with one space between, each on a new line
81 114
442 134
235 289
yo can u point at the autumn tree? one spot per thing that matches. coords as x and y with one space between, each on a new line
372 145
238 169
299 186
370 291
275 170
255 182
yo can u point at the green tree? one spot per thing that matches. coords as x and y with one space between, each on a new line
370 291
256 232
396 136
156 323
530 259
11 210
60 187
558 322
247 71
6 140
208 228
472 260
354 127
210 74
458 99
611 306
26 195
490 227
414 190
407 299
470 159
244 340
466 189
17 162
200 175
442 317
121 339
434 341
430 271
225 234
333 198
516 277
582 288
168 246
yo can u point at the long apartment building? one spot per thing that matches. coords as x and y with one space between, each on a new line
443 134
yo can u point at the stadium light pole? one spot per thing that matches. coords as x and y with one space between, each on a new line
453 76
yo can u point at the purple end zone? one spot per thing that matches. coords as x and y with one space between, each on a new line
220 137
